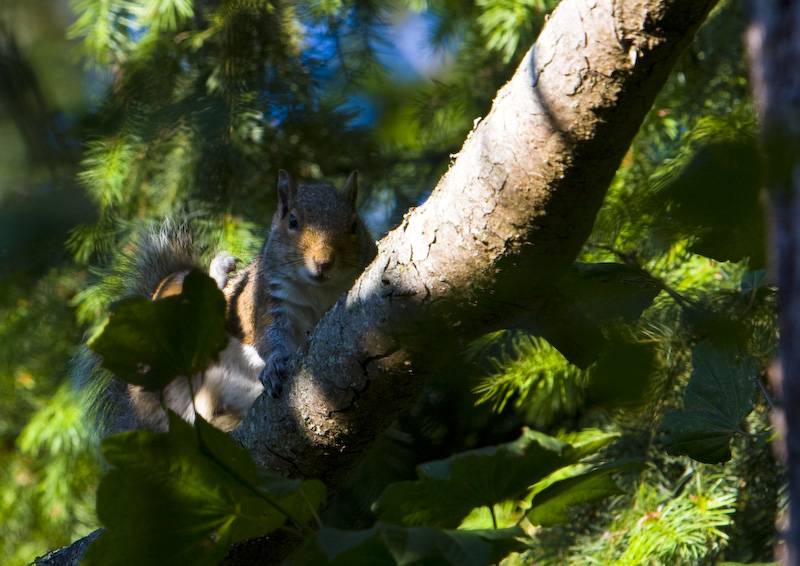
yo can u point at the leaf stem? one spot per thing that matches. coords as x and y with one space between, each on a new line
747 434
305 529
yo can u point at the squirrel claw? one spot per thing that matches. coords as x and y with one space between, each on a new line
273 373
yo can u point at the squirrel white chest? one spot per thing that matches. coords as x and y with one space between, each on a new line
303 305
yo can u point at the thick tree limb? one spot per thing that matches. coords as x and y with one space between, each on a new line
504 222
774 44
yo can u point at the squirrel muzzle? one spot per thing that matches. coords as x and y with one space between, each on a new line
320 262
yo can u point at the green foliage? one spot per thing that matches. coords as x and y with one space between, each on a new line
714 200
508 25
549 506
52 475
147 343
49 471
449 489
608 292
209 101
652 527
205 101
535 374
540 381
29 370
623 374
717 400
664 532
204 493
98 27
389 545
536 377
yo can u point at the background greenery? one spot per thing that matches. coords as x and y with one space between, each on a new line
116 114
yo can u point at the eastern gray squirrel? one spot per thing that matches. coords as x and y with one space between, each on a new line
316 248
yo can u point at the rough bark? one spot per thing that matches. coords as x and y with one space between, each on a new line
484 250
774 43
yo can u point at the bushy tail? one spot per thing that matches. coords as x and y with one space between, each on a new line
155 254
152 254
105 398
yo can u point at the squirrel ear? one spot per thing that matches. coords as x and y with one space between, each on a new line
351 189
286 192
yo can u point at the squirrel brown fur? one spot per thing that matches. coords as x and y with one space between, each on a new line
222 392
316 248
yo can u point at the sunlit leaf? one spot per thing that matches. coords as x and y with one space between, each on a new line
549 506
449 489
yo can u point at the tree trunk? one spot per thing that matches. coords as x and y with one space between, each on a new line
774 43
483 252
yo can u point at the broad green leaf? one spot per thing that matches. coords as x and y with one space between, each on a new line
718 397
184 496
449 489
702 435
549 506
390 545
299 499
716 200
586 442
589 296
721 383
149 343
758 281
718 326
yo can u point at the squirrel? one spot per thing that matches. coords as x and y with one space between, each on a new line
316 248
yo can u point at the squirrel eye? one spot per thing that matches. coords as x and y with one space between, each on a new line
293 224
354 227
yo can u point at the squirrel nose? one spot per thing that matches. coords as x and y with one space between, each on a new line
320 264
323 263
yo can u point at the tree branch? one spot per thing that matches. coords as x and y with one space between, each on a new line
506 220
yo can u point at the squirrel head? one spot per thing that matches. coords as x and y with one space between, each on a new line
317 236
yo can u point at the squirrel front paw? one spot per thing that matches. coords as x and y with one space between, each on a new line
273 373
222 264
